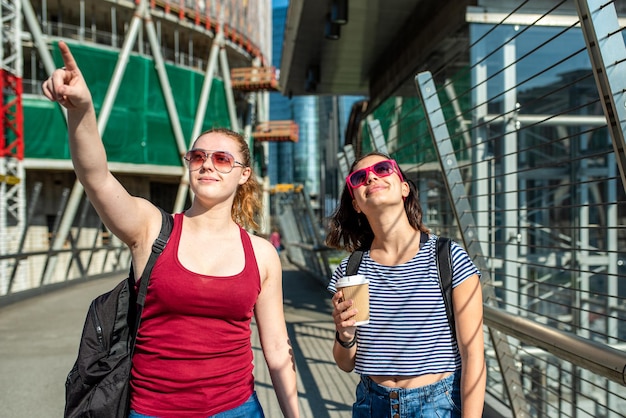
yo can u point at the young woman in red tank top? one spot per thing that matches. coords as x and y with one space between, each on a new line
193 356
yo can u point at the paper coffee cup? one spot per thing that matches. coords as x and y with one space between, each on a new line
356 288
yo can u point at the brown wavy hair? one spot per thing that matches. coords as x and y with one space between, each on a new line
247 204
349 230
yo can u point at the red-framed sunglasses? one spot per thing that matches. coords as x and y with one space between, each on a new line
382 169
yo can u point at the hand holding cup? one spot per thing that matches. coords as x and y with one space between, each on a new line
355 288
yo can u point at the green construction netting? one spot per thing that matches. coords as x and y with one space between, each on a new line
415 145
139 129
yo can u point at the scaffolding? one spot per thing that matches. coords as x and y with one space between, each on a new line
249 79
12 190
241 22
276 131
191 49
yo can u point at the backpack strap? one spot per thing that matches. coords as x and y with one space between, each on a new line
444 270
167 223
354 262
157 248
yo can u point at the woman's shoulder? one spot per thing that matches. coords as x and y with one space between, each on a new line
266 256
454 244
259 241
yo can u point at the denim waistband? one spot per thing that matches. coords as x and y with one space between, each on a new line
427 391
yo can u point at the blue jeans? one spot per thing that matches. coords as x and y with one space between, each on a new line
440 399
250 409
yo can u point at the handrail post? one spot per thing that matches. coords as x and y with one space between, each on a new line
607 53
462 211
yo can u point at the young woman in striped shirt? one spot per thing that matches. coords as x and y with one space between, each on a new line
410 363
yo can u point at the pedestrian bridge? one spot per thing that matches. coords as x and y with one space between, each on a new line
39 338
516 145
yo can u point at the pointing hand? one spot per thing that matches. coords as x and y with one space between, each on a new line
66 85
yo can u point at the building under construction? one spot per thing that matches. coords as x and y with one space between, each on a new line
508 116
160 73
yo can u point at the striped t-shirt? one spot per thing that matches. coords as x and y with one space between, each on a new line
408 333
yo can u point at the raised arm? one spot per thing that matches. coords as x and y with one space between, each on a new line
132 219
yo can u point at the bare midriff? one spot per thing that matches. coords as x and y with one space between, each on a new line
409 382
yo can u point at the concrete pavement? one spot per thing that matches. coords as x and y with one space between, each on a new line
39 341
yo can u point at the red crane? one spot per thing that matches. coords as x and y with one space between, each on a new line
12 133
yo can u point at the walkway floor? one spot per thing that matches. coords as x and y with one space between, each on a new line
39 339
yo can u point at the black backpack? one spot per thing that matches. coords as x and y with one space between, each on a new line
444 270
98 384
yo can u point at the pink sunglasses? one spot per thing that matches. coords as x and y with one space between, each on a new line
382 169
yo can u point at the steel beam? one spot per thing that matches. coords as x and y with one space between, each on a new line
463 213
605 45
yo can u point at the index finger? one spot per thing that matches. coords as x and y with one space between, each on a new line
68 58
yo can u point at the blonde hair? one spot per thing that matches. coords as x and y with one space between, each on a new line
247 204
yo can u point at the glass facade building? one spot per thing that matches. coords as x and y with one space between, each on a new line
293 163
321 119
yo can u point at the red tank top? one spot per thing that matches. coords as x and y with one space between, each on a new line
193 356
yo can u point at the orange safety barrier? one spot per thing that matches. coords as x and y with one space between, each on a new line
254 78
276 131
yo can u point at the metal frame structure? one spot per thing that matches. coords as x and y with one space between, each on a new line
465 220
142 24
12 189
608 57
300 231
513 336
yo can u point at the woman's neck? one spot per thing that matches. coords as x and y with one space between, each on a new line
396 249
215 219
393 234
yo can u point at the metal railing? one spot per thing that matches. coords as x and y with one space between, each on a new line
302 234
516 145
32 266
